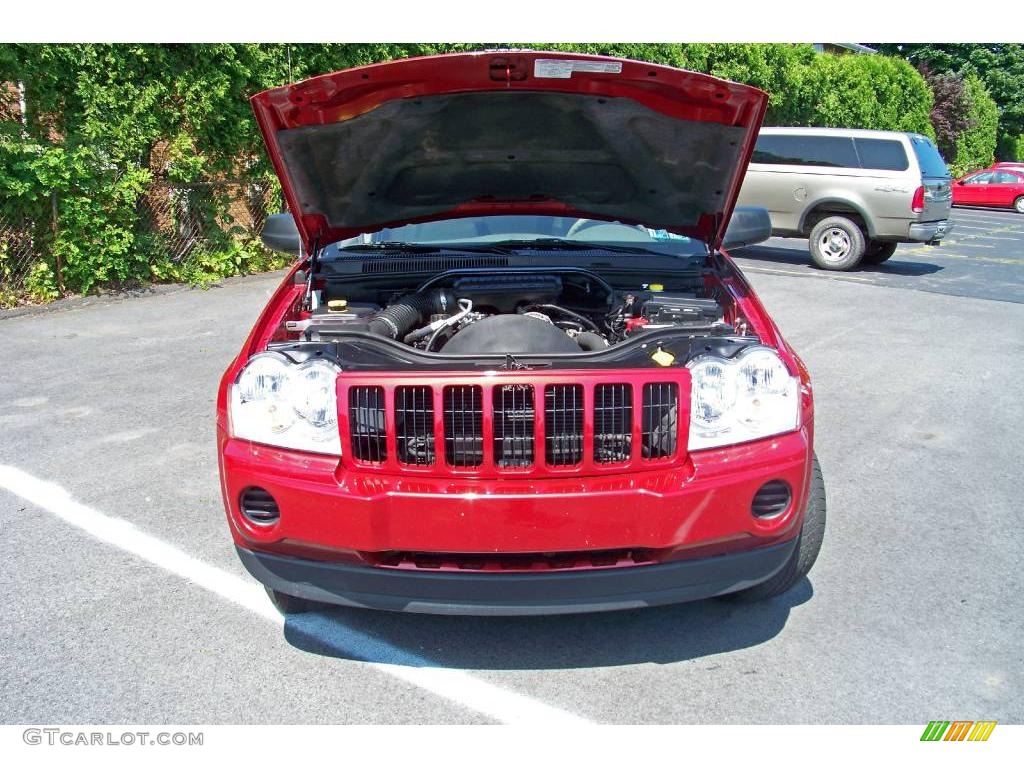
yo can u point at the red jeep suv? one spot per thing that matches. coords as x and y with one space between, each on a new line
513 370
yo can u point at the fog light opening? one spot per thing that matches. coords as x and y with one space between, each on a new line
259 507
771 500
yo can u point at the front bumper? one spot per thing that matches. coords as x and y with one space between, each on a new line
517 594
694 521
930 232
328 512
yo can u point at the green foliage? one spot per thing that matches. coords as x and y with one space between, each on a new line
865 92
1015 148
976 146
105 122
1000 66
779 69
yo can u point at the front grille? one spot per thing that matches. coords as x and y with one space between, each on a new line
660 427
513 425
464 426
367 423
414 425
613 422
527 424
563 424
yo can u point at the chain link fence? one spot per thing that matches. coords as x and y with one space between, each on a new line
19 250
189 226
187 220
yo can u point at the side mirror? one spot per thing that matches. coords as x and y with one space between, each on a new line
961 182
280 234
749 225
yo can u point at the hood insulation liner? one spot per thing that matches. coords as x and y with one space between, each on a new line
423 157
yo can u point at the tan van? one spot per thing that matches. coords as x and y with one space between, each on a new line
853 193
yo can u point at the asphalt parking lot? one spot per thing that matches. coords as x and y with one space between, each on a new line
124 601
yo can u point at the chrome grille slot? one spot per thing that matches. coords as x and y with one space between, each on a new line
414 425
513 425
367 424
613 422
660 428
563 424
463 426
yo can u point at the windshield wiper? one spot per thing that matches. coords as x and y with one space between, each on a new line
396 245
557 243
508 247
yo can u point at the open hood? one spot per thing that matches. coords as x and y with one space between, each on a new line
510 132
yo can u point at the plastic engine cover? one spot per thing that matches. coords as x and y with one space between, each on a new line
510 335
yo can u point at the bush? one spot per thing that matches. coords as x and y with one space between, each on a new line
976 146
779 69
878 92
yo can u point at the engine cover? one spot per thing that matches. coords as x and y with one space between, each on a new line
510 335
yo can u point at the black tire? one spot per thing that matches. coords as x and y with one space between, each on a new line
837 243
878 251
812 533
290 603
1018 204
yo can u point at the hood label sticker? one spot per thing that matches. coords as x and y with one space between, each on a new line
563 68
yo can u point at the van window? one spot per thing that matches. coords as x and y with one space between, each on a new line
928 157
882 154
830 151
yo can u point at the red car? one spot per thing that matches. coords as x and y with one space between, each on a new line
514 370
1001 187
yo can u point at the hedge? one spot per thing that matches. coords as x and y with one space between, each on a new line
976 146
104 121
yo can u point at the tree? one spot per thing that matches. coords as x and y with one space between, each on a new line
1000 66
949 115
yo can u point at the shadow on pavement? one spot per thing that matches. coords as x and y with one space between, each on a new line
897 265
654 635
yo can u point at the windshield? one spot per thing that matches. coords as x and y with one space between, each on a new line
492 230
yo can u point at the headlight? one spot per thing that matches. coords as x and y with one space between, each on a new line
276 402
748 397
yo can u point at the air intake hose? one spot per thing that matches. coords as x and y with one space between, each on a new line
591 342
411 310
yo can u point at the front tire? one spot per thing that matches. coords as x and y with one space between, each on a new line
290 603
837 243
812 533
878 251
1018 204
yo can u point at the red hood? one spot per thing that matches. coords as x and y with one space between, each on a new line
520 132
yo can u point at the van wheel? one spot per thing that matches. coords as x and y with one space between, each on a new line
812 533
878 251
1018 204
837 243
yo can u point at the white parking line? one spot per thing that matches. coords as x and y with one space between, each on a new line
994 221
829 276
455 685
996 237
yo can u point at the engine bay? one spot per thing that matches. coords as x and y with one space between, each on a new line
516 311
